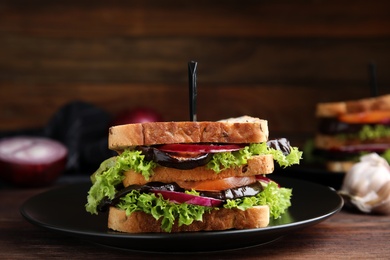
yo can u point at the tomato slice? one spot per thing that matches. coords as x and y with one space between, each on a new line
366 117
219 184
200 148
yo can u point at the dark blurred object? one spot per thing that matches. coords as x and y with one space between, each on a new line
313 173
83 129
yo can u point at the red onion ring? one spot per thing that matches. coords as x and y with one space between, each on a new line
31 161
181 197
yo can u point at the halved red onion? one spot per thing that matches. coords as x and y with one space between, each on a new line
31 161
181 197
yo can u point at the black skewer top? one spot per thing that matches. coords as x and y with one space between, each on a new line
192 88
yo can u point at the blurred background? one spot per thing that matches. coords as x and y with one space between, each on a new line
270 59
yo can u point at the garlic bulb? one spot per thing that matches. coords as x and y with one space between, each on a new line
366 185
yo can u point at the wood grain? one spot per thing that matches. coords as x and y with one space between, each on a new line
272 59
163 60
288 109
278 18
346 235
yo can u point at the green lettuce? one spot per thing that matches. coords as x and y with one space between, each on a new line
368 132
278 200
160 208
226 160
221 161
110 172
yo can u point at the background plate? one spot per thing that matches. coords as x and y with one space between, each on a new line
62 210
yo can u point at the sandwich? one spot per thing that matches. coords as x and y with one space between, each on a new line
191 176
349 129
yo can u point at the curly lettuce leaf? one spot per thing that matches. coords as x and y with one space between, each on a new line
368 132
162 209
225 160
283 160
110 174
286 160
134 160
278 200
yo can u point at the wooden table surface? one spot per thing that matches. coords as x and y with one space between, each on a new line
346 235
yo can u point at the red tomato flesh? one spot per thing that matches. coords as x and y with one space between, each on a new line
366 117
217 185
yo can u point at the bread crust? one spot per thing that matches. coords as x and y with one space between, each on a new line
339 166
261 164
327 142
123 136
334 109
221 219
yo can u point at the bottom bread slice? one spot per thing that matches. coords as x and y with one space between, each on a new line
222 219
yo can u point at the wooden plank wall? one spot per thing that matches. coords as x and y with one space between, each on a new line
271 59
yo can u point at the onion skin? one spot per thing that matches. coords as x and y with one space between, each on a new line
33 172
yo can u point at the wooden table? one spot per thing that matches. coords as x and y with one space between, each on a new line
346 235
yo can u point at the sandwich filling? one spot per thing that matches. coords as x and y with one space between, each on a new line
187 201
349 136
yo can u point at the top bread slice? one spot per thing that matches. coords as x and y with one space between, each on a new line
334 109
238 130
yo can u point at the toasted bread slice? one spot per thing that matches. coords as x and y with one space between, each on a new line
244 130
334 109
221 219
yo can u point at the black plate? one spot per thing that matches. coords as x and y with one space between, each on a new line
63 210
314 173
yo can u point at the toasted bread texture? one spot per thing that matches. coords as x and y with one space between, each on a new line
244 130
334 109
221 219
261 164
